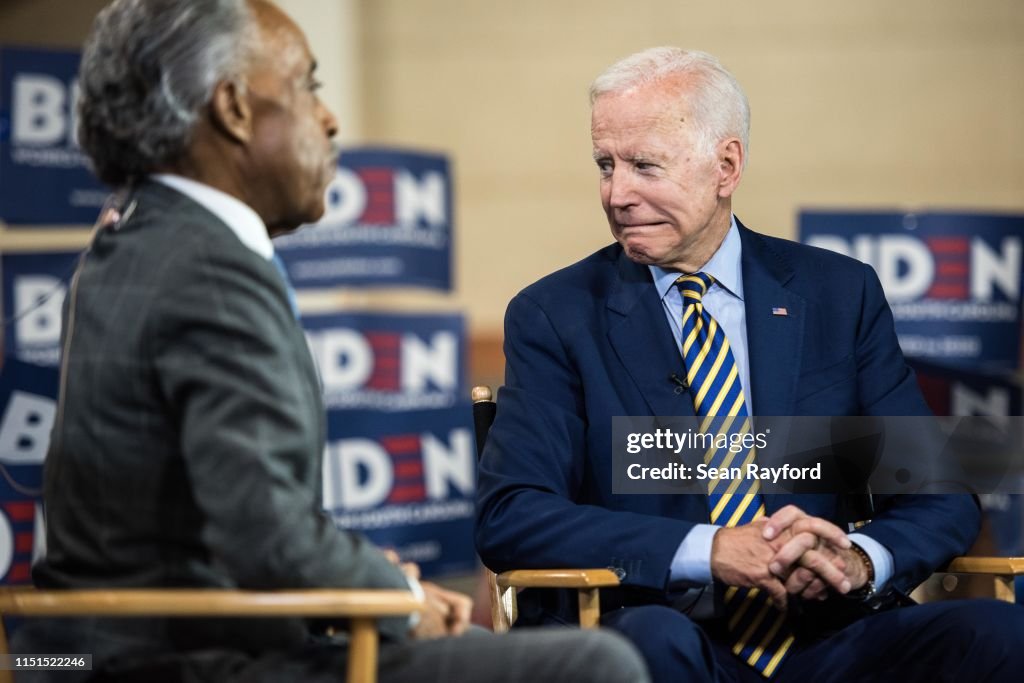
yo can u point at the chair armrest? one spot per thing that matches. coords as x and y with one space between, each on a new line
208 602
1000 566
558 578
362 607
587 582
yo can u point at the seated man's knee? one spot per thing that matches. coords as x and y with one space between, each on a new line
991 629
613 657
670 642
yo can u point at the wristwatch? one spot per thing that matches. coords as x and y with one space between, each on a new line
867 591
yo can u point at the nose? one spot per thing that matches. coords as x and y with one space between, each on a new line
619 189
327 120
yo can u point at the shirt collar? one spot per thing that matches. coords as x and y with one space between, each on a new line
243 221
724 266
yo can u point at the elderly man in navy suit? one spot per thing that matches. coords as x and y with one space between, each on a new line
735 584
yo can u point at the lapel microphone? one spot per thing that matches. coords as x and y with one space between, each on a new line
680 383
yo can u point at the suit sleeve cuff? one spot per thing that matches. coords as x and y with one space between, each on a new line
692 561
880 556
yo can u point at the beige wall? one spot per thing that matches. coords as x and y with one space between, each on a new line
49 23
855 104
908 104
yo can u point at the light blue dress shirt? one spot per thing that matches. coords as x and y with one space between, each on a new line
691 565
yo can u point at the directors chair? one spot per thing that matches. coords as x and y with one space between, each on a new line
361 607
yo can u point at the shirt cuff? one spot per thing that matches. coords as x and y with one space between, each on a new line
417 590
881 558
692 561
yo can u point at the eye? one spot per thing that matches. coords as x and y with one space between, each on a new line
604 166
314 85
644 166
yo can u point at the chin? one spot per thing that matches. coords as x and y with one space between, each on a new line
639 252
313 212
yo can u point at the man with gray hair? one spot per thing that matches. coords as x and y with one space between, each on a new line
187 446
689 313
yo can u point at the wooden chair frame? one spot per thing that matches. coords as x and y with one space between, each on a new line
361 607
502 587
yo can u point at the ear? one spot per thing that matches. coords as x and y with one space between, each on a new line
730 166
230 112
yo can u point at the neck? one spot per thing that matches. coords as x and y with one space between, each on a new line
221 166
707 244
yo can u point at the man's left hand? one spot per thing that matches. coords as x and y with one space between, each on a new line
812 555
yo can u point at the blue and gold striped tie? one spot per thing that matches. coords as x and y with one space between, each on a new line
757 630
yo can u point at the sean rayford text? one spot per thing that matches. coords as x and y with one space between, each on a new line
700 472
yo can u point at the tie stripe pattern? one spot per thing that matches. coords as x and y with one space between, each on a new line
758 631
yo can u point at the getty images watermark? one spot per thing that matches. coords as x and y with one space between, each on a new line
737 459
832 455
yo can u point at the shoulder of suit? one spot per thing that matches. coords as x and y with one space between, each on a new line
805 259
171 223
589 273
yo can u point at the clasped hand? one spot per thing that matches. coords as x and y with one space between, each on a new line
445 612
789 553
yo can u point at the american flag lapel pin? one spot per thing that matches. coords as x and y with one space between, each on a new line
779 311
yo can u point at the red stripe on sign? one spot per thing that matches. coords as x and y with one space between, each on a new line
952 268
23 542
381 339
947 291
948 245
404 443
411 468
19 572
385 362
372 173
383 384
20 511
404 494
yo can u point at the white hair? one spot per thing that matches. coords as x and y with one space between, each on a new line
716 100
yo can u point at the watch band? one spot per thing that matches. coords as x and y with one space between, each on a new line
867 591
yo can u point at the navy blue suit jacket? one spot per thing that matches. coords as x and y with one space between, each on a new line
591 341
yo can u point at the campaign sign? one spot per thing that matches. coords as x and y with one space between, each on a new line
388 223
950 391
406 480
389 362
34 286
44 176
28 405
953 279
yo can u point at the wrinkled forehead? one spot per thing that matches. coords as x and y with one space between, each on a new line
653 107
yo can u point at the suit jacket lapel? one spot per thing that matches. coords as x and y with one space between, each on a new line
643 341
774 340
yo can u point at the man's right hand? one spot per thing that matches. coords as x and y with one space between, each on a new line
446 613
740 556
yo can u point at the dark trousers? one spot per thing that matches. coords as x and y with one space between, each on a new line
955 641
537 656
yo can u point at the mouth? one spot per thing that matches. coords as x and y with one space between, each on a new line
638 227
333 155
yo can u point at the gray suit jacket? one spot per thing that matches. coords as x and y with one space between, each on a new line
187 448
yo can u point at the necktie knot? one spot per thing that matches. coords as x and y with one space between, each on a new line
694 287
